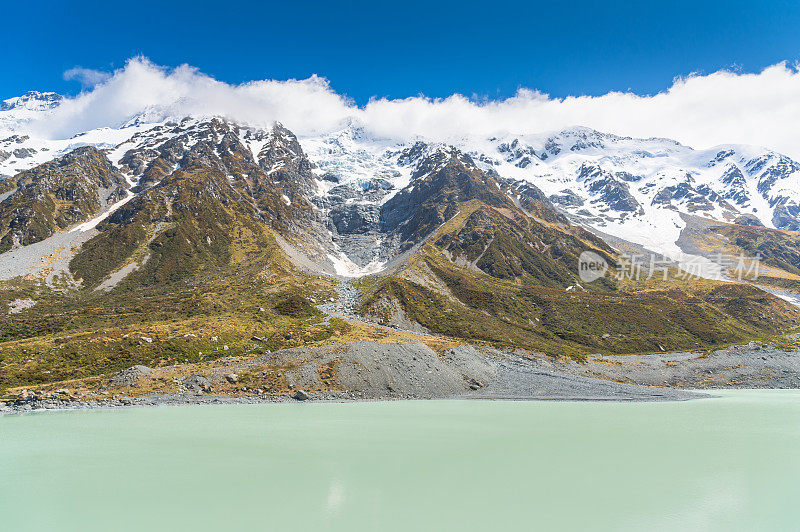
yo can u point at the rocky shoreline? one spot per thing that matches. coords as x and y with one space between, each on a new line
361 371
49 404
369 371
751 365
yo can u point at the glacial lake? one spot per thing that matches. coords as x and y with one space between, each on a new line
728 463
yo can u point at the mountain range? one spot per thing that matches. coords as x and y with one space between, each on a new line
184 229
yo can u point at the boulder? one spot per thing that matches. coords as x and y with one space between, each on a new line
300 395
198 383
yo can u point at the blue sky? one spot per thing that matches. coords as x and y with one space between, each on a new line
404 48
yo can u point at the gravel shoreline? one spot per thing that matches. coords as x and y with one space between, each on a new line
409 370
747 366
369 371
327 397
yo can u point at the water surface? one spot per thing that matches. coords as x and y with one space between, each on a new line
731 463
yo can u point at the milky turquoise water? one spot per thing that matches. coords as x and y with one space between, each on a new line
719 464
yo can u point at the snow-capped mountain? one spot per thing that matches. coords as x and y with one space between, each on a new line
16 113
634 189
473 238
32 101
637 190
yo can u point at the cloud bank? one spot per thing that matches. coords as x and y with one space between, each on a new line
700 110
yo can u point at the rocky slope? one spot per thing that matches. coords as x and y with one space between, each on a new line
53 196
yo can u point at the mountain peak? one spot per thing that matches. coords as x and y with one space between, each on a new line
33 101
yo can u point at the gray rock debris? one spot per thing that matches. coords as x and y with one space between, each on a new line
131 376
408 370
198 383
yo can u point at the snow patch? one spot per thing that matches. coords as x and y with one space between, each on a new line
91 224
345 267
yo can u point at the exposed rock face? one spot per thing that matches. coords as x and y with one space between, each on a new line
787 216
514 151
57 194
370 222
355 219
22 153
567 198
217 147
280 168
608 189
737 184
206 182
692 199
770 168
283 159
201 181
442 181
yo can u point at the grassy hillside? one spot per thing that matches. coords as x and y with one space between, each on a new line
76 335
483 276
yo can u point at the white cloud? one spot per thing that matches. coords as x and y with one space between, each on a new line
700 110
87 77
142 87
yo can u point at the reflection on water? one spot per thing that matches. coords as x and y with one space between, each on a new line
335 496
